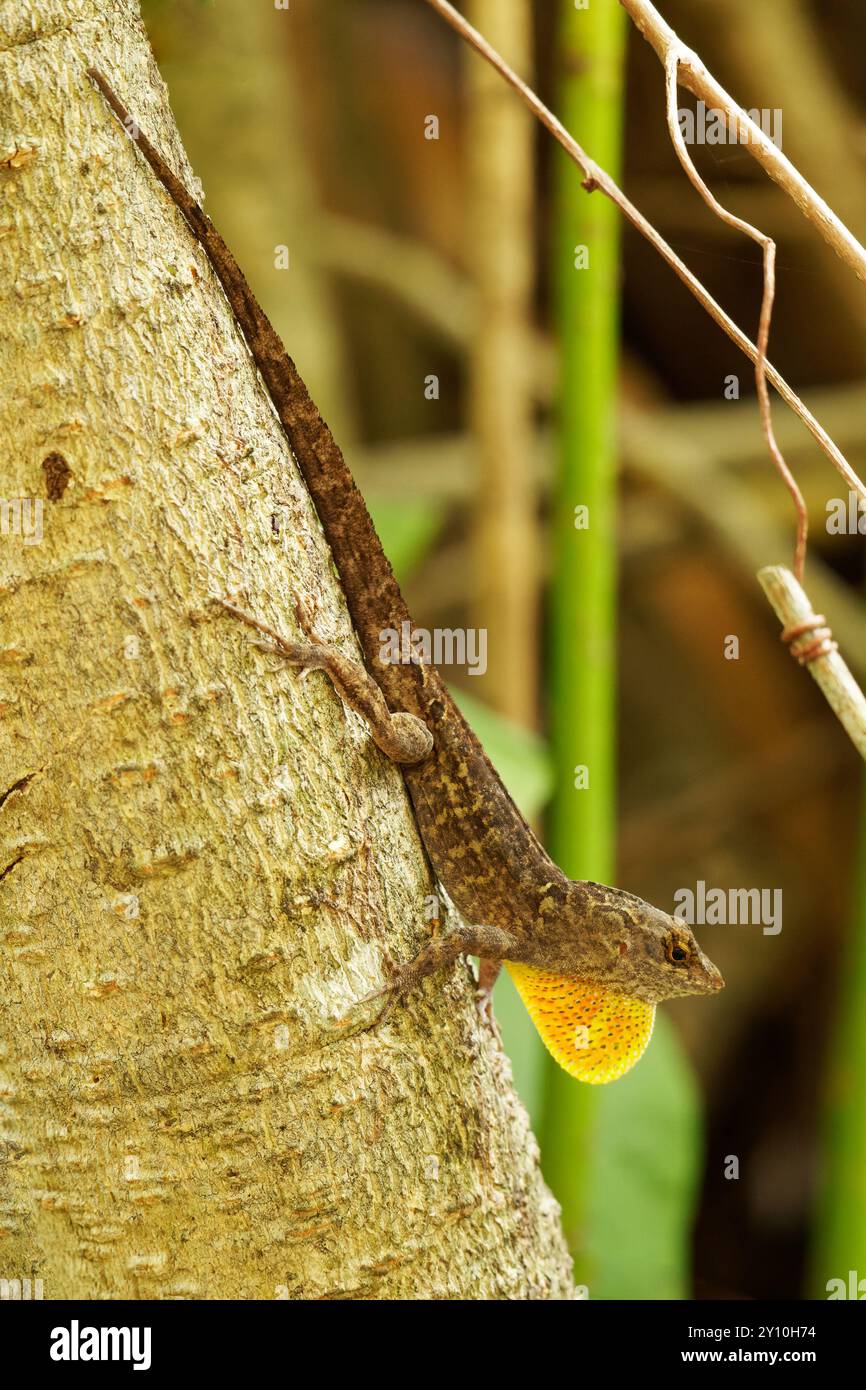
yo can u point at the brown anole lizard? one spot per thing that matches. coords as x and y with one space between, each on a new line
591 962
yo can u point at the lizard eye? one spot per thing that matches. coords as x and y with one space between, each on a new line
676 950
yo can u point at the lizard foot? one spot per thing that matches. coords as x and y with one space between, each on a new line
438 955
391 996
488 972
402 737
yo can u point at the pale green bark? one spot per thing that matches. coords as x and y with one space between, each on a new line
210 858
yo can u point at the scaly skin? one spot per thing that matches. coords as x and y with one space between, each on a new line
518 905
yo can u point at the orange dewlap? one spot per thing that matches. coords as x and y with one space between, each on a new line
595 1035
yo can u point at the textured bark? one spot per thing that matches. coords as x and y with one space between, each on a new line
203 859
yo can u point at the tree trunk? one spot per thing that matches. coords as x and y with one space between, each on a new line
203 858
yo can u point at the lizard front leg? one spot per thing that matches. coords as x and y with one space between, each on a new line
402 737
490 943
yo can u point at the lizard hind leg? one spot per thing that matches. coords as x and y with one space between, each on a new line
594 1034
402 737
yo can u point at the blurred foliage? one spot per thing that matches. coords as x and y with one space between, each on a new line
644 1171
407 530
730 772
840 1228
622 1158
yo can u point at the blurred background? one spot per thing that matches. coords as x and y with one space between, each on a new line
493 349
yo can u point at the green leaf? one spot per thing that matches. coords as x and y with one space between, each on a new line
839 1236
407 530
523 1046
642 1176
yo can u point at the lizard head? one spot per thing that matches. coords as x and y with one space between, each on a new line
619 942
661 958
652 956
605 964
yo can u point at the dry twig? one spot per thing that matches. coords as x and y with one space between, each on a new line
682 64
768 247
812 645
596 178
694 76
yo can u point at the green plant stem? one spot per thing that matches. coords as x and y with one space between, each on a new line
840 1229
582 670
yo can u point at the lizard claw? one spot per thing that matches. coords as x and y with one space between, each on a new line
484 1005
391 992
306 616
270 649
391 995
391 998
